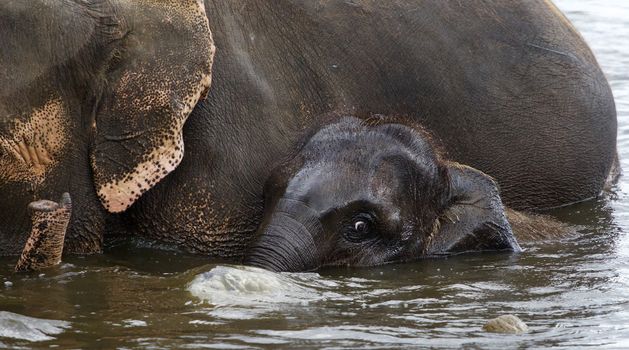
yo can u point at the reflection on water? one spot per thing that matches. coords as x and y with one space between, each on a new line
571 293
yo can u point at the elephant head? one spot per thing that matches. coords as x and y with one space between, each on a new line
359 194
121 76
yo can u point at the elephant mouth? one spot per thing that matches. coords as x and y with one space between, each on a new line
35 144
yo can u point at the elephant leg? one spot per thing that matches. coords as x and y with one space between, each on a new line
49 222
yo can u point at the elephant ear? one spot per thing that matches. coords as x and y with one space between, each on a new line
162 70
475 219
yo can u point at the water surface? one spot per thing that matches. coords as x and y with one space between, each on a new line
571 293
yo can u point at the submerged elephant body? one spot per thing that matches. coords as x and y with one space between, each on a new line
508 90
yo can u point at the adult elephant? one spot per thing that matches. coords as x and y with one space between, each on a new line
287 160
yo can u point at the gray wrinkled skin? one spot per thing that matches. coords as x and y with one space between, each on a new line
510 90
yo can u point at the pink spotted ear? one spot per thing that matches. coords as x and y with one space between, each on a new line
164 69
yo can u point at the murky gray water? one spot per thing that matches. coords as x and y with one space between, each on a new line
573 293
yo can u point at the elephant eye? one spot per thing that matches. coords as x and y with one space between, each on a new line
361 228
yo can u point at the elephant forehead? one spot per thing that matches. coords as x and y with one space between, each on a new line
333 184
30 50
34 143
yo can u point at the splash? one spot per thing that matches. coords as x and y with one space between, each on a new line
246 292
31 329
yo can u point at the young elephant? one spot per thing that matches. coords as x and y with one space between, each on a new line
364 195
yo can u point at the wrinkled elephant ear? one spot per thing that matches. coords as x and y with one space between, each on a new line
475 219
163 70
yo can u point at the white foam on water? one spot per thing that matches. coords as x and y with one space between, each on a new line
31 329
242 292
226 285
134 323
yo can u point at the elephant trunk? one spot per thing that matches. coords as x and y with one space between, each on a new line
286 240
44 246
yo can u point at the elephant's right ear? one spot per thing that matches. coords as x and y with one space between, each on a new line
162 70
474 219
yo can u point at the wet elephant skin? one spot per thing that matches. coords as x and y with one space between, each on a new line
503 94
509 89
